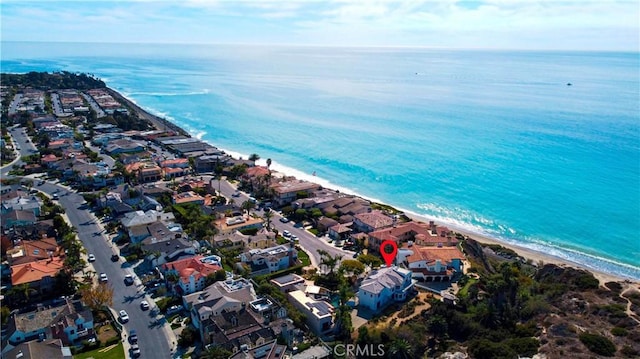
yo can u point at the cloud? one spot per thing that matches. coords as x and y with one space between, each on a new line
450 23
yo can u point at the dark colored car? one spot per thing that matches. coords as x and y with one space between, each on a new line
133 336
115 258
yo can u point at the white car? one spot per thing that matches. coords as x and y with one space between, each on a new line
144 305
91 258
103 277
286 233
124 317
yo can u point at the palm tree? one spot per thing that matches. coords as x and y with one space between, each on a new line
329 261
254 157
400 348
248 206
267 217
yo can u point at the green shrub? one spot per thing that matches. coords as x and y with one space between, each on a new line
598 344
131 258
524 346
619 332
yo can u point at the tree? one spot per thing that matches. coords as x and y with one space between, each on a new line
248 206
254 157
4 314
268 215
400 348
216 352
96 297
329 261
352 266
187 337
217 276
370 260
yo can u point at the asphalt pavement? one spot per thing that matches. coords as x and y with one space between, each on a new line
155 336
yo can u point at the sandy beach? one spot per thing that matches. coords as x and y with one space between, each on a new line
527 253
535 256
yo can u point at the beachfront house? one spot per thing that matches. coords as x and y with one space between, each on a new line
432 264
286 192
413 232
372 221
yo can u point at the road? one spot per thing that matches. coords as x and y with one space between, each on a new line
152 329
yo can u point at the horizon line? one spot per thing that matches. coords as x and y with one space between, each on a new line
423 47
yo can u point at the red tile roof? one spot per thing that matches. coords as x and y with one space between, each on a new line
191 266
35 271
430 254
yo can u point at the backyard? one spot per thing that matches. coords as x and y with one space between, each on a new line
115 351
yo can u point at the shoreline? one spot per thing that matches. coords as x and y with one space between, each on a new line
528 253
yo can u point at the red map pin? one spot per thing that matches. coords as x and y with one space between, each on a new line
388 250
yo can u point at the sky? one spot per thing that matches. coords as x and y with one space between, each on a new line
610 25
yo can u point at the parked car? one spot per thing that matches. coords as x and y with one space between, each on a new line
128 279
115 258
144 305
133 336
235 194
124 317
135 350
286 233
174 309
284 219
91 258
103 277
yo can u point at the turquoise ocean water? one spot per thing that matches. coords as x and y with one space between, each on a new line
494 142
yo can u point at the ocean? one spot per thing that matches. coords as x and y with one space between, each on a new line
539 149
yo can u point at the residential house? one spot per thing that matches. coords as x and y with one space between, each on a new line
38 349
269 260
38 274
237 223
433 263
223 295
18 218
324 223
47 160
413 232
162 251
208 163
261 240
289 282
285 192
187 197
319 313
383 287
270 350
70 322
340 231
256 178
136 222
192 272
235 240
33 250
124 145
372 221
145 171
22 202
